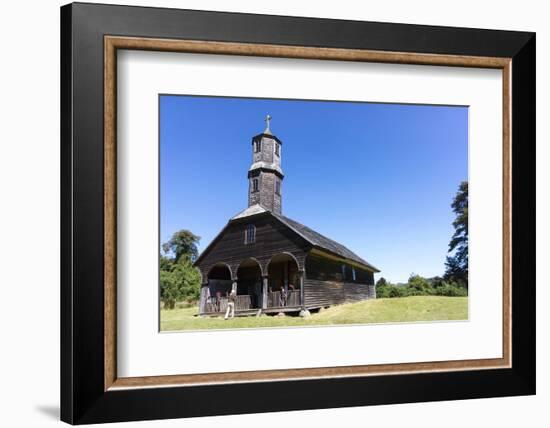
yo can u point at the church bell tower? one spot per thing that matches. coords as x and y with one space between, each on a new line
265 176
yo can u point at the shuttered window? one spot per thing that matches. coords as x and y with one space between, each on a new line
257 146
250 234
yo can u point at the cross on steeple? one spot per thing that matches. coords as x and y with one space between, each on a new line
267 123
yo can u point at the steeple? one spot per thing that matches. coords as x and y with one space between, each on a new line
265 175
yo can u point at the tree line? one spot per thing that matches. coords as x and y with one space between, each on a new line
455 279
420 286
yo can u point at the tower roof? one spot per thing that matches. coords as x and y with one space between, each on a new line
267 166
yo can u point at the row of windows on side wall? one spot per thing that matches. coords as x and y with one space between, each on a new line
331 270
346 275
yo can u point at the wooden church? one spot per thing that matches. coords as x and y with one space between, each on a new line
277 264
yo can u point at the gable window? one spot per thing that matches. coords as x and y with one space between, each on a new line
257 146
255 185
277 152
250 234
277 187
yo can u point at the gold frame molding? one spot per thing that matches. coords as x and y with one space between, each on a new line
113 43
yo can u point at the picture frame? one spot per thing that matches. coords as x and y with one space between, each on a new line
91 391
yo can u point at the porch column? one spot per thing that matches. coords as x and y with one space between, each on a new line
264 291
203 297
302 291
285 277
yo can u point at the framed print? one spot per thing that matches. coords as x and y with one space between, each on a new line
265 213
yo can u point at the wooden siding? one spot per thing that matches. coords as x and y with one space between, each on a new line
327 293
323 293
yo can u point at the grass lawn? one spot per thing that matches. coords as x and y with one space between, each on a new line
404 309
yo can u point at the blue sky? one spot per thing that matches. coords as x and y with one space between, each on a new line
378 178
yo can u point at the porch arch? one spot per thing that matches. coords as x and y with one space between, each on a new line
219 281
284 255
219 270
249 274
284 281
248 262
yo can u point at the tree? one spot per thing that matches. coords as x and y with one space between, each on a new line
417 281
183 243
381 282
437 282
457 263
418 285
179 279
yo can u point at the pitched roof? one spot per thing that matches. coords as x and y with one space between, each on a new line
310 235
321 241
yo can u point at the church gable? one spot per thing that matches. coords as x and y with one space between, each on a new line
259 237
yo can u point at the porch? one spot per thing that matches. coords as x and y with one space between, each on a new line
272 288
244 306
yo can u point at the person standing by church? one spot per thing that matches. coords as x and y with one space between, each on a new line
230 311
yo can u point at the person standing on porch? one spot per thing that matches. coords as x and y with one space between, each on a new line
283 297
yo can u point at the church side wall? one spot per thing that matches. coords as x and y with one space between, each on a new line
327 293
323 293
328 283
